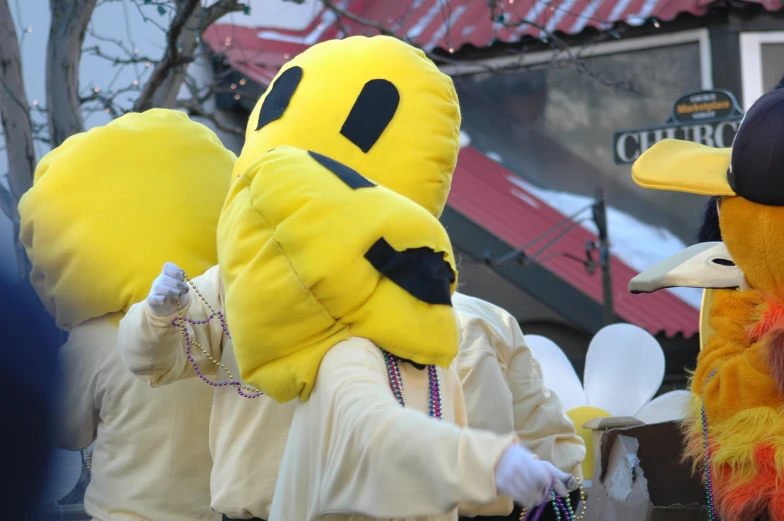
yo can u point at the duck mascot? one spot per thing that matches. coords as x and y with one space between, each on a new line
106 209
736 424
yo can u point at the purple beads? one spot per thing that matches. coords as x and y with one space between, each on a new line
180 322
706 458
396 383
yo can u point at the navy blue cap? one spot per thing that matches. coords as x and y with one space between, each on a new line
757 167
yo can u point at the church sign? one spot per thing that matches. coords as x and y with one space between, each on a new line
711 118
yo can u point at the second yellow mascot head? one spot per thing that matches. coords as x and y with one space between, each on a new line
377 105
109 206
311 253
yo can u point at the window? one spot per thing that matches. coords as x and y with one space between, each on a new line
762 63
554 125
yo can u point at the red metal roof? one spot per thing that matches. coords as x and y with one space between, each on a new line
483 192
444 24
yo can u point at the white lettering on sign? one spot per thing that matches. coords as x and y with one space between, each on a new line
700 98
703 134
629 145
621 147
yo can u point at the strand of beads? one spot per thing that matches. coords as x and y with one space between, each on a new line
88 460
706 459
435 392
396 383
561 506
395 380
182 322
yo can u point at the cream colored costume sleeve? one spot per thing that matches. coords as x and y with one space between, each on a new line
504 389
78 399
540 421
154 350
383 460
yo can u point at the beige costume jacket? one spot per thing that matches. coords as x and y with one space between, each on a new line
149 461
355 454
505 392
246 436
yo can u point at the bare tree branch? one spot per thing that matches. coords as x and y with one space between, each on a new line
196 110
172 56
116 60
199 20
7 201
63 53
381 28
114 41
559 44
556 43
217 11
17 130
195 106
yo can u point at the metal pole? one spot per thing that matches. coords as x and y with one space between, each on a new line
600 218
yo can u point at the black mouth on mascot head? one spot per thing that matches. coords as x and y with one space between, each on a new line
422 272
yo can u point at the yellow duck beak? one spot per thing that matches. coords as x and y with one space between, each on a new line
683 166
704 265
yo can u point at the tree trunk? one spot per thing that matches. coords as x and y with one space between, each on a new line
164 94
17 129
63 53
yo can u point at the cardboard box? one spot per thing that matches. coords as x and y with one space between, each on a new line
640 476
599 426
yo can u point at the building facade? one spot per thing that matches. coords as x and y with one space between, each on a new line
558 98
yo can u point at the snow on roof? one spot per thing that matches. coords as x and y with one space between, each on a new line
637 244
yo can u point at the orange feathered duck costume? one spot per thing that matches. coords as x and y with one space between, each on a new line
735 433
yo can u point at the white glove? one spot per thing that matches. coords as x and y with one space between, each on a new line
166 290
528 480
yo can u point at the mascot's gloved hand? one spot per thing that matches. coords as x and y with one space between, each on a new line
166 290
528 480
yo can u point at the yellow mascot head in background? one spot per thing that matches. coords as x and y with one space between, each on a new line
377 105
109 206
339 236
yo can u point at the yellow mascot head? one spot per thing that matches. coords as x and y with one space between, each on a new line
313 252
109 206
377 105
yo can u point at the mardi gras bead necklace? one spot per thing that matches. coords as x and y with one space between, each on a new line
88 460
706 458
561 506
181 322
396 383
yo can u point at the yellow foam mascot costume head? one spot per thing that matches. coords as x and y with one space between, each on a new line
377 105
739 380
315 244
109 206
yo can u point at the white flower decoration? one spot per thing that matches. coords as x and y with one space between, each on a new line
624 368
